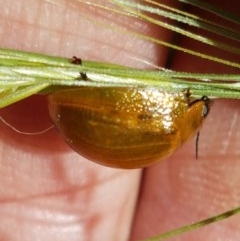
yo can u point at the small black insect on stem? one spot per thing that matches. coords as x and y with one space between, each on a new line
75 60
78 61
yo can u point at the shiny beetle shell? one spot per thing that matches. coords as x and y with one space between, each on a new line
126 127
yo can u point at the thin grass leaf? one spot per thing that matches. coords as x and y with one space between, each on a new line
11 96
126 8
213 9
194 226
134 8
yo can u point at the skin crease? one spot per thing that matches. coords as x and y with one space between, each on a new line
48 192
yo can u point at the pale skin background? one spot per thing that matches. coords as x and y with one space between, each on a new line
48 192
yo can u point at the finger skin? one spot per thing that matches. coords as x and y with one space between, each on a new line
49 192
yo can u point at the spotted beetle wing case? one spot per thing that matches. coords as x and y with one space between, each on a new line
125 127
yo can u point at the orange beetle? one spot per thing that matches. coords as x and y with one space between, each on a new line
126 127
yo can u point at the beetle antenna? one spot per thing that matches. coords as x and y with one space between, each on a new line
196 145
